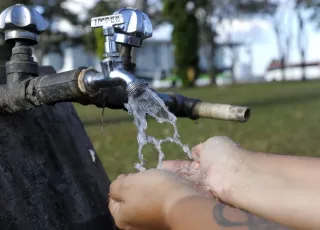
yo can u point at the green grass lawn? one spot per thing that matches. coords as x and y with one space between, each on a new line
285 119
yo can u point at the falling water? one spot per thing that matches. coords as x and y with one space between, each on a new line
149 103
102 121
102 113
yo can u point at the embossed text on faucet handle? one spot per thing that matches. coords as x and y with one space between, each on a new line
107 21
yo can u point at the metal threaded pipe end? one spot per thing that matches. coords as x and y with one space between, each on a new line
136 88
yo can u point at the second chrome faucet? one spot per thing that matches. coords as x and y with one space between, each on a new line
126 28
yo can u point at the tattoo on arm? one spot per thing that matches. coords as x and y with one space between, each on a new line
252 222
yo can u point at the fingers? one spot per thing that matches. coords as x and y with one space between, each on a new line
174 166
114 208
116 188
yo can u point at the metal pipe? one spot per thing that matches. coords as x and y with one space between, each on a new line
221 111
125 55
70 86
94 81
193 108
54 88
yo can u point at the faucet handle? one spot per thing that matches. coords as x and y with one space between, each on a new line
137 27
107 21
21 22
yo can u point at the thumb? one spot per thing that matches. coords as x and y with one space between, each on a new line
114 207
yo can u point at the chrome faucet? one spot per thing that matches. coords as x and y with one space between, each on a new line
128 27
136 27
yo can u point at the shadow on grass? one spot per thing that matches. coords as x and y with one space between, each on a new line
298 98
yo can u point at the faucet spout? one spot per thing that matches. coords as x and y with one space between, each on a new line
92 81
127 77
134 86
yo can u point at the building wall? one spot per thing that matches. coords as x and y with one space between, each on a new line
73 57
154 59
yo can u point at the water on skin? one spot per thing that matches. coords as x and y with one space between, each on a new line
150 104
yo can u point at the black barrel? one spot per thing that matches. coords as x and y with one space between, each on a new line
48 177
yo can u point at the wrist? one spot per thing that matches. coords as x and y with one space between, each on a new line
247 180
174 198
184 209
224 180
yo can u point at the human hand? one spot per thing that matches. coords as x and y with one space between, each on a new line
214 166
143 200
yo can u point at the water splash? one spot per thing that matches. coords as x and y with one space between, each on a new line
102 113
149 103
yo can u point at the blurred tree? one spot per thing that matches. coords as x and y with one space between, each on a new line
314 5
283 31
185 38
204 13
51 41
284 38
211 14
273 10
301 6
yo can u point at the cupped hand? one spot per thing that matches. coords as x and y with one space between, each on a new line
143 200
216 161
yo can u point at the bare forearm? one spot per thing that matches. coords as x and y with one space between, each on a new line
202 213
298 168
280 188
